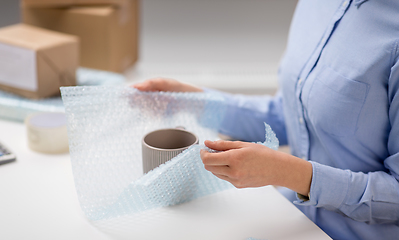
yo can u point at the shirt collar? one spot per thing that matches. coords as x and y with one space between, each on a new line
359 2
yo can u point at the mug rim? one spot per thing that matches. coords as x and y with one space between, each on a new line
169 149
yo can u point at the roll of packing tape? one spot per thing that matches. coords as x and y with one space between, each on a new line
47 132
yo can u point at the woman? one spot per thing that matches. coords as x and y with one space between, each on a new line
338 111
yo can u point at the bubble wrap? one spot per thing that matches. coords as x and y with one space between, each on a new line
105 129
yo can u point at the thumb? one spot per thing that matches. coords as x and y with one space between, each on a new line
222 145
142 86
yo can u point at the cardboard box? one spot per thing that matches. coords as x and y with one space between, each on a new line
108 35
35 62
66 3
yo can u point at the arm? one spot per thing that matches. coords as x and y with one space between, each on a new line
371 197
245 115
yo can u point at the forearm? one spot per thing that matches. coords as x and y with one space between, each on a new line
246 115
295 173
365 197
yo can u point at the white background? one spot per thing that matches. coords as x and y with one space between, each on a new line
233 45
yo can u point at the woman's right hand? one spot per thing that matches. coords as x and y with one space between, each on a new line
165 85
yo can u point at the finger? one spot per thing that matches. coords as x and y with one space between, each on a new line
165 85
222 145
137 85
214 159
142 86
223 177
218 170
153 84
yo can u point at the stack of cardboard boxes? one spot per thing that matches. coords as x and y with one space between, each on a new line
57 36
108 29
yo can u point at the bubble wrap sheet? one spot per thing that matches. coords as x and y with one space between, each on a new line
105 129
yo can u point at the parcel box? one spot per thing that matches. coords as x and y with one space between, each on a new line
108 34
64 3
35 62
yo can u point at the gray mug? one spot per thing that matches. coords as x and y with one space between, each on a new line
162 145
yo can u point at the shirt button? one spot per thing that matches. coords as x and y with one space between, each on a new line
300 120
300 81
345 3
304 157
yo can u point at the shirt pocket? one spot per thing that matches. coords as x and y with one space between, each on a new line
335 102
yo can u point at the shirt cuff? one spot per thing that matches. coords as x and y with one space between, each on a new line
328 189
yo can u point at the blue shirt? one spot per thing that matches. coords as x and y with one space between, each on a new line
338 108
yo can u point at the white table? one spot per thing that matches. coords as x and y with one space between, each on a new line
38 201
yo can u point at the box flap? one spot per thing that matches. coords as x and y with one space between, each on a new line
63 3
34 38
95 11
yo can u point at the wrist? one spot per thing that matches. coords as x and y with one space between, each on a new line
297 174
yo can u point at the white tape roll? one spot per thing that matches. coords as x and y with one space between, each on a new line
47 132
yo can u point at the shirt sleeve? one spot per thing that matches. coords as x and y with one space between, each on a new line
245 116
371 197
